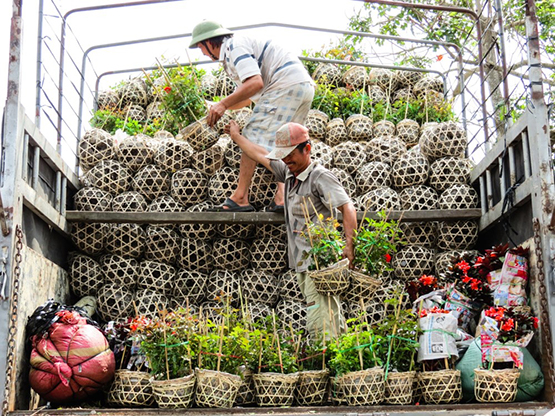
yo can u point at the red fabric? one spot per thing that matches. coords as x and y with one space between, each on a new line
71 362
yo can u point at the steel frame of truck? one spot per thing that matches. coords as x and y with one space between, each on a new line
515 182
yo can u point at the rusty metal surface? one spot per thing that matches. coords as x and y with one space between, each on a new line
513 409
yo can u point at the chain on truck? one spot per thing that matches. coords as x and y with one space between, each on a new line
103 196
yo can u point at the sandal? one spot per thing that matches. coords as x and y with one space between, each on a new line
273 207
231 206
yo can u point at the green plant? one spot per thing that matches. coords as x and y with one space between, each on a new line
312 354
401 329
355 350
165 341
374 243
326 242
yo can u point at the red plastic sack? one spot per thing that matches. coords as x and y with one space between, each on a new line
71 361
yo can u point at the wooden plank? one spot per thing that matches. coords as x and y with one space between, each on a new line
492 155
44 209
250 217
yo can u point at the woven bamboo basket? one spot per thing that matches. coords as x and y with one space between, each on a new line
362 388
333 280
122 271
222 183
418 198
371 176
198 231
383 78
216 389
161 244
346 181
236 231
233 154
135 153
384 128
196 255
155 110
260 286
231 254
449 171
131 389
224 285
156 275
289 287
134 91
327 74
403 94
412 261
257 311
92 199
263 188
150 302
173 155
399 387
130 201
189 187
114 302
443 140
457 235
107 100
349 156
151 181
95 146
409 131
174 394
190 286
377 94
108 175
208 161
89 237
247 393
269 255
386 149
336 132
276 231
316 122
458 197
359 127
496 386
275 389
362 286
419 233
125 239
199 135
410 169
407 78
355 77
312 387
381 198
85 275
442 386
293 312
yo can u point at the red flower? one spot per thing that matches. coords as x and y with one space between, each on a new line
508 325
167 88
496 313
387 258
536 320
465 279
475 284
427 280
463 265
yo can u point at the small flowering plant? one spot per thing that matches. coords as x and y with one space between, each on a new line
165 340
424 285
468 276
425 312
326 242
512 324
374 243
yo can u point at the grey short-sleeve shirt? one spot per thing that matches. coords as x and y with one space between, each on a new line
322 188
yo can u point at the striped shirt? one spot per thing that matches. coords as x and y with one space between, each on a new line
244 57
324 190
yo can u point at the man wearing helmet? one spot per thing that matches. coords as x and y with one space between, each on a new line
266 74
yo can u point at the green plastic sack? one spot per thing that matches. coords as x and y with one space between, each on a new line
530 382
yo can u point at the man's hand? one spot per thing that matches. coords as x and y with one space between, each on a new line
349 253
215 112
233 130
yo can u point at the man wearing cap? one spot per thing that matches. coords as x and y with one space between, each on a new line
266 74
303 179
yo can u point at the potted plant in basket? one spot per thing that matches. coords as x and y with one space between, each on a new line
375 242
401 331
166 342
313 375
220 357
274 359
356 360
328 269
503 333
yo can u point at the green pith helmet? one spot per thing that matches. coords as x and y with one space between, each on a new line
207 29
